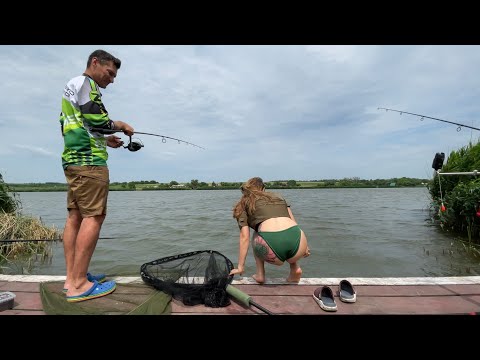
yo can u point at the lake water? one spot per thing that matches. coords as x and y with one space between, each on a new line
351 232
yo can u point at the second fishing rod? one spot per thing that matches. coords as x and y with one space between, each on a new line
429 117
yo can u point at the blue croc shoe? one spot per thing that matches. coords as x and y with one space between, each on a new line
97 290
99 277
92 278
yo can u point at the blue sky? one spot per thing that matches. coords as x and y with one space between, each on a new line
278 112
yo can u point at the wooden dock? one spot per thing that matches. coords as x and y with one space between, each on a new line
375 296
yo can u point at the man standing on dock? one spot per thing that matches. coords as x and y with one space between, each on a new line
84 161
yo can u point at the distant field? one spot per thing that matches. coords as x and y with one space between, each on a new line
310 183
195 184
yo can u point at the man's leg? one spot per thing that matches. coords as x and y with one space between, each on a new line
85 244
72 226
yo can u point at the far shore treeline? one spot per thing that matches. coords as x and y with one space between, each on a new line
199 185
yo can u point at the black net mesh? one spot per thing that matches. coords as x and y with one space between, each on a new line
198 277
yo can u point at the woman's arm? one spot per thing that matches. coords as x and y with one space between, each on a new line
243 250
291 214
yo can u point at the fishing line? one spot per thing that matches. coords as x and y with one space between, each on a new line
442 208
429 117
135 146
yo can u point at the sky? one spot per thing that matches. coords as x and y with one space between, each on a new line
281 112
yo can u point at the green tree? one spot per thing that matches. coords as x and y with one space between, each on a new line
194 184
291 183
8 200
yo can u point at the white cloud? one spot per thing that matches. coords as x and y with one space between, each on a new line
36 150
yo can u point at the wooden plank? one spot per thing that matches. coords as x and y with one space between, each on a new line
363 290
27 301
372 305
423 305
22 312
416 290
14 286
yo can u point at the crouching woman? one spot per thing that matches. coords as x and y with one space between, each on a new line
276 238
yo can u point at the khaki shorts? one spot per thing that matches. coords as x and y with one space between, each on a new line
87 189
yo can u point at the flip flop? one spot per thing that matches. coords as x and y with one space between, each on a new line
97 290
92 278
346 292
324 298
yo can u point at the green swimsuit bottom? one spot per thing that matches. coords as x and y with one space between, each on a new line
283 243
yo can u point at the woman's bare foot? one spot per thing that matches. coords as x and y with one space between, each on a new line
259 279
295 274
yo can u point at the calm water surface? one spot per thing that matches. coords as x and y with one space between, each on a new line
351 232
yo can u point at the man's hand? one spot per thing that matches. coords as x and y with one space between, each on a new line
114 141
127 129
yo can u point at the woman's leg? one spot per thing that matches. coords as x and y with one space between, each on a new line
303 251
262 252
259 276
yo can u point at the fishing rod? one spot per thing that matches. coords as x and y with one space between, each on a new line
135 145
27 240
428 117
39 240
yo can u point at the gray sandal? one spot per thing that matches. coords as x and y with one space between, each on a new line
325 299
346 292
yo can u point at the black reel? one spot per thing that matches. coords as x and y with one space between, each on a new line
134 145
438 161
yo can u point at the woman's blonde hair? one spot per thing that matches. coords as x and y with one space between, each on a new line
252 190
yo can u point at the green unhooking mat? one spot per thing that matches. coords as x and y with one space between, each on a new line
127 299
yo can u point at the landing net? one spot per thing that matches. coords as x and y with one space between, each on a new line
198 277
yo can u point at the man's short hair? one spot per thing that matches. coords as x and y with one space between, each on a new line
104 57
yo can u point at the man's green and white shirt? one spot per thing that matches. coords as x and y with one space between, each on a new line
82 109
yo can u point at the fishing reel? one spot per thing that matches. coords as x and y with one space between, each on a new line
134 145
438 161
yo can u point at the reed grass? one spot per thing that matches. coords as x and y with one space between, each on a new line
15 227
